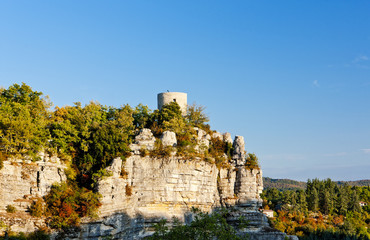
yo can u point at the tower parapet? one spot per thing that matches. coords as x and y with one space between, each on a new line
178 97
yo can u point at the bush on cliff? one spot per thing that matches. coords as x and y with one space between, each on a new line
203 227
37 208
10 209
251 161
67 204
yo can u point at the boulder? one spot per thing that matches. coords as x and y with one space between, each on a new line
227 138
202 139
239 148
169 139
217 135
144 140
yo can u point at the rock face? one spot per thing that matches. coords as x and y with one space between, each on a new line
142 190
239 148
227 138
22 181
202 140
169 139
144 140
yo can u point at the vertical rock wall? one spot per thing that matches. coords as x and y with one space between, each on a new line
142 190
22 181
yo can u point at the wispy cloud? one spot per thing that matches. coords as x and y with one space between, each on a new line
366 150
315 83
338 154
361 61
360 58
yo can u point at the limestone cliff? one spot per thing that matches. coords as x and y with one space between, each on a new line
22 181
141 190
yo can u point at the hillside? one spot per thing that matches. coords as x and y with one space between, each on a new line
288 184
283 184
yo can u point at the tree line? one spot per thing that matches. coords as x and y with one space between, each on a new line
87 139
323 208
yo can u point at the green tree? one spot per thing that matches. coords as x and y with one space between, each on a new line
302 201
313 203
196 116
169 117
93 136
342 201
354 204
142 116
326 203
24 116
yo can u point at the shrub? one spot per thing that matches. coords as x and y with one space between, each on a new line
124 173
40 234
128 190
67 203
37 208
143 152
251 161
10 209
160 151
3 157
204 226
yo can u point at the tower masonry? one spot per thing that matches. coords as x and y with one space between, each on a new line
178 97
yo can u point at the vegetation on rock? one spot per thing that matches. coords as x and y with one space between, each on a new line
10 209
288 184
324 210
87 138
67 204
204 226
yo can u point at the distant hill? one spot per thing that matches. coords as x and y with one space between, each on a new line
360 183
283 184
288 184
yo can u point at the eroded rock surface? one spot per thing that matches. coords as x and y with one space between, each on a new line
21 182
144 140
168 138
142 190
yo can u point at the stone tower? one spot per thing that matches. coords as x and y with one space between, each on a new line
179 97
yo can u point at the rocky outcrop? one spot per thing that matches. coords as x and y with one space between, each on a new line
202 140
227 138
239 149
217 135
21 182
143 141
22 179
169 139
142 190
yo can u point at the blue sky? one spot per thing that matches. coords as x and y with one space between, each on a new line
292 77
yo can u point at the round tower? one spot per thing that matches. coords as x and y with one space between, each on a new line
179 97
